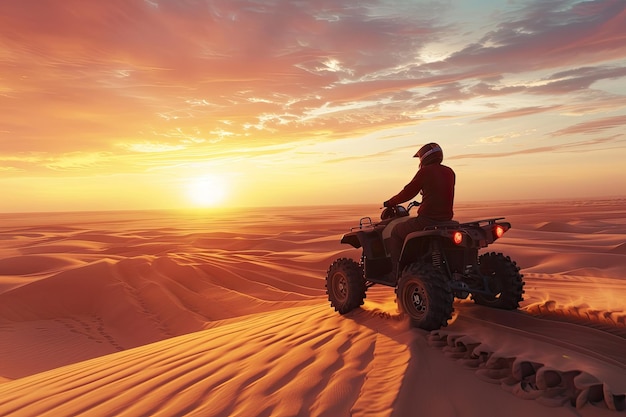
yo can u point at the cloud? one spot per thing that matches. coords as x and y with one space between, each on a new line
595 102
104 73
502 137
148 147
40 163
578 79
579 146
550 35
560 83
371 156
526 111
78 161
594 126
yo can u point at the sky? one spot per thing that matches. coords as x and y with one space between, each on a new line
150 104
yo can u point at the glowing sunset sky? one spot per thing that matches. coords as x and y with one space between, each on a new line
123 104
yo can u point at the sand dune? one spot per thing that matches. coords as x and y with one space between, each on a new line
225 314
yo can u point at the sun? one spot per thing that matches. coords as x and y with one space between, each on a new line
207 191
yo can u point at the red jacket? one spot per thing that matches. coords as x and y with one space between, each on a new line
436 182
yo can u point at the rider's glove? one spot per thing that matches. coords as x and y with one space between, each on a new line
386 204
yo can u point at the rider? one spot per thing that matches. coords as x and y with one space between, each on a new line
436 184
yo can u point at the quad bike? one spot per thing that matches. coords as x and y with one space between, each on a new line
436 265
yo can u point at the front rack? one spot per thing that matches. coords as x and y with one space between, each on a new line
364 223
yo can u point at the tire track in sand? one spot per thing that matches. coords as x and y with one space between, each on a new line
508 348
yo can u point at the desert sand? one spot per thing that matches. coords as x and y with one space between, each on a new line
224 313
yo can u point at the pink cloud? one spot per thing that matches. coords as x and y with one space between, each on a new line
594 126
100 72
578 146
549 35
526 111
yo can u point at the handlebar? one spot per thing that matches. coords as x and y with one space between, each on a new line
412 204
408 207
398 210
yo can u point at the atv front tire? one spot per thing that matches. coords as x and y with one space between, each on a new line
345 285
424 294
504 281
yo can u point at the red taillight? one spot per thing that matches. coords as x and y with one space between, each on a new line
498 231
457 238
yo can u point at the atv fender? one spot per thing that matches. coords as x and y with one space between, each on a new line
352 239
414 239
370 241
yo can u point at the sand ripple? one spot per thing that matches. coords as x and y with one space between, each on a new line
169 314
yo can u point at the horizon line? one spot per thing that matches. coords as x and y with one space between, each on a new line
286 206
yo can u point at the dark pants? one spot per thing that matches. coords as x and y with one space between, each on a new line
400 232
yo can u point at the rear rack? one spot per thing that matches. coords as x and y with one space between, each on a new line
488 221
455 225
444 225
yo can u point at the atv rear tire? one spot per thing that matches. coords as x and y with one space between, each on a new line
345 285
424 294
503 279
